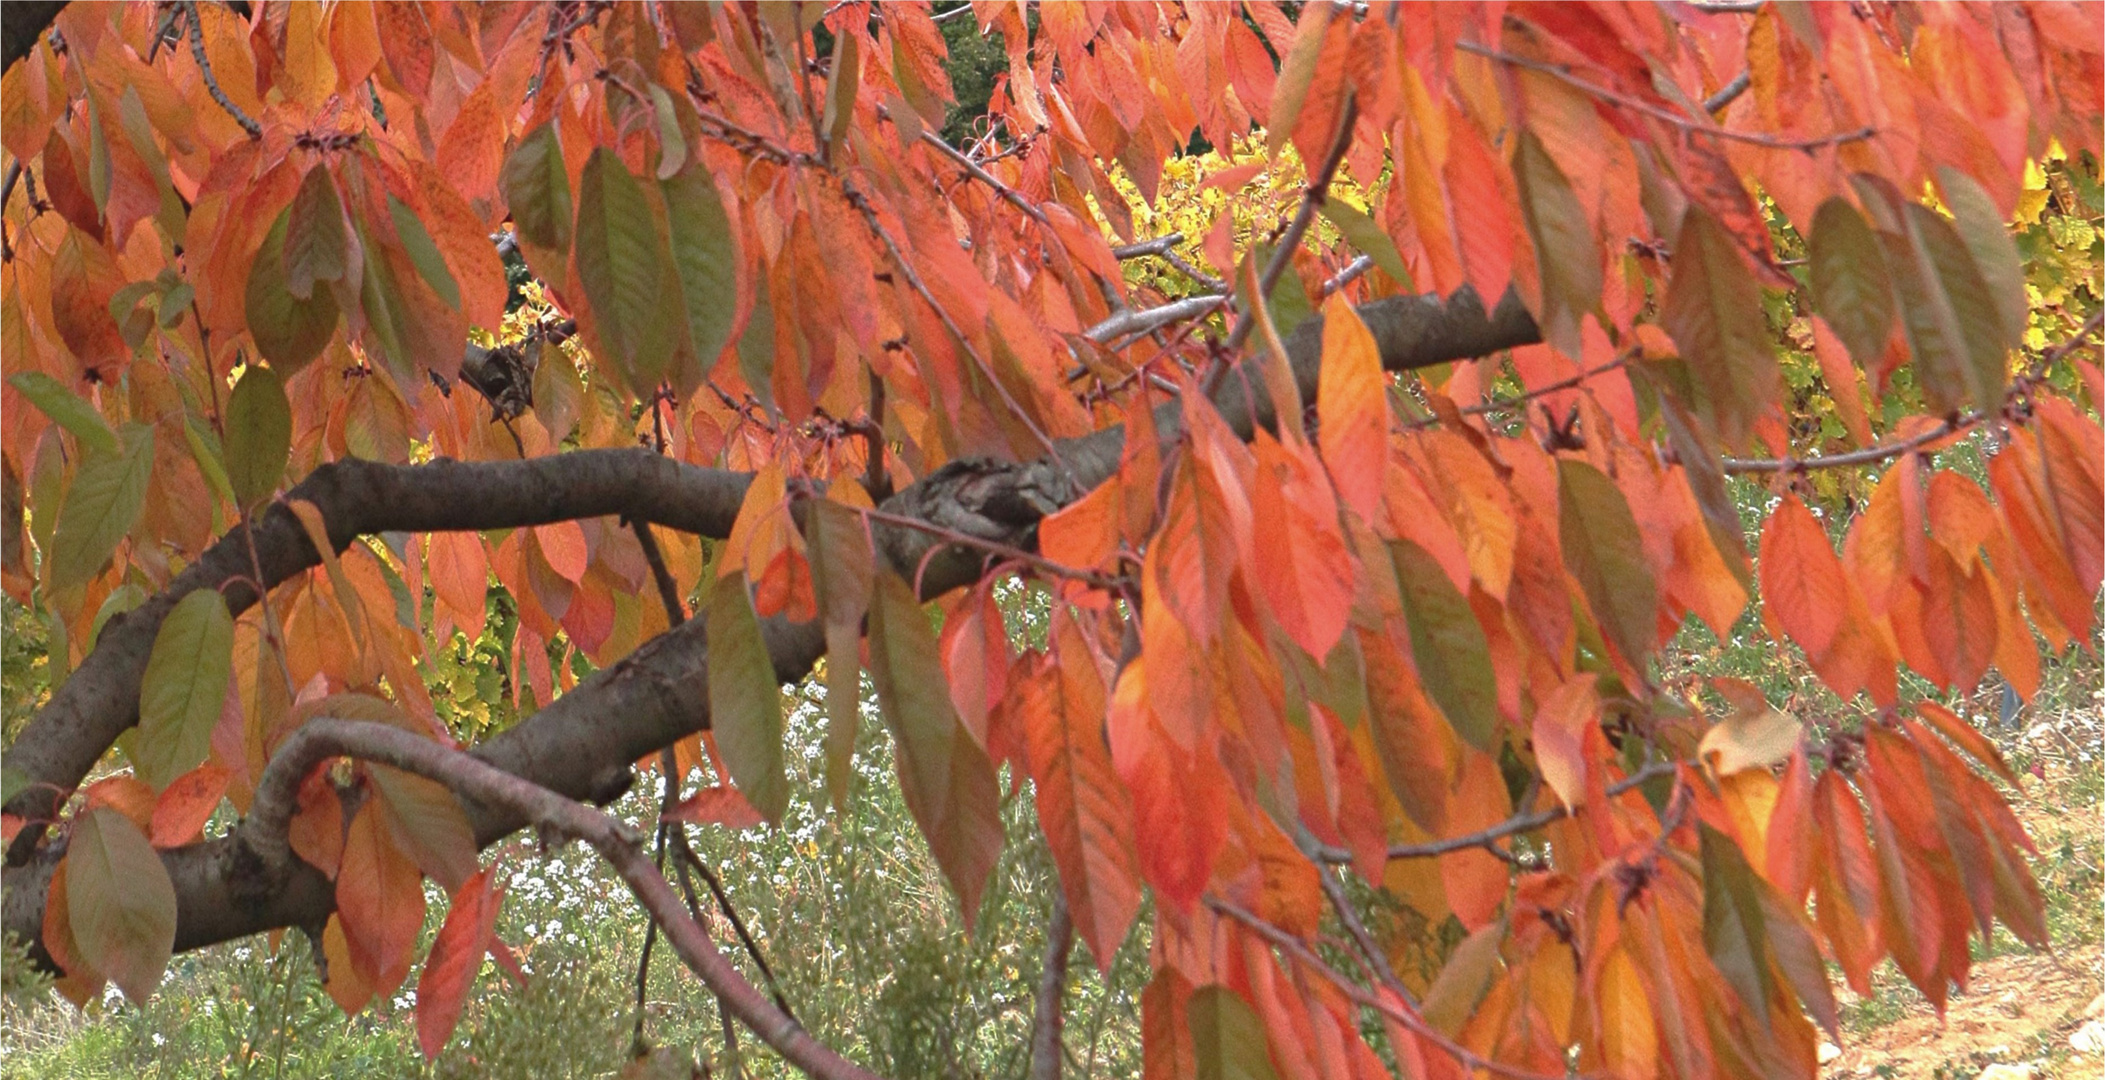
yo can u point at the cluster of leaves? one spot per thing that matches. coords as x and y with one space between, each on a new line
1375 633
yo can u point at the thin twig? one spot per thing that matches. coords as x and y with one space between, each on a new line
1011 195
1728 93
913 281
1518 823
685 852
1377 960
668 589
1952 425
1015 554
204 67
1510 401
1402 1014
1137 321
1052 983
1347 276
322 738
1312 198
1705 126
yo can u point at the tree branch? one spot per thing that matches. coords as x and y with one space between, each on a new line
581 745
100 700
323 738
1052 983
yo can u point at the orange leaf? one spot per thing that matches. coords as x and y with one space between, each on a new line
179 815
380 896
1352 406
1084 810
563 545
1301 563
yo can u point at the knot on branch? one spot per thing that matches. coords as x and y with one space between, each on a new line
996 501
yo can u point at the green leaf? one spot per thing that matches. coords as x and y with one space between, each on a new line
428 825
537 190
1851 286
672 143
841 84
119 902
1448 645
423 252
259 435
107 495
838 551
13 782
132 324
66 409
1953 320
1227 1036
949 783
123 598
1605 552
1367 235
745 701
623 263
289 331
204 448
1713 311
705 256
1993 250
317 244
1565 253
185 688
1734 932
1465 979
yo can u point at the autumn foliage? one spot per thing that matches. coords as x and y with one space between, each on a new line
1371 577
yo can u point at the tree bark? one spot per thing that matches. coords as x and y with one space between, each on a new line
581 745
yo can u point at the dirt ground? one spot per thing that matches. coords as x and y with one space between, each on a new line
2023 1016
2018 1010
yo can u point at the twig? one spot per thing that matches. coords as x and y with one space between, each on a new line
1519 823
687 856
1135 321
1485 408
1311 198
1728 93
913 281
668 589
1347 276
1705 126
620 844
723 1011
1036 562
1952 425
204 67
1377 960
1052 982
1013 197
1165 248
1402 1014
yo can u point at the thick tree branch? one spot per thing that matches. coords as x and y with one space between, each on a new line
581 745
22 25
101 699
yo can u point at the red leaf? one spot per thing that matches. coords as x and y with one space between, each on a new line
179 815
718 804
456 957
